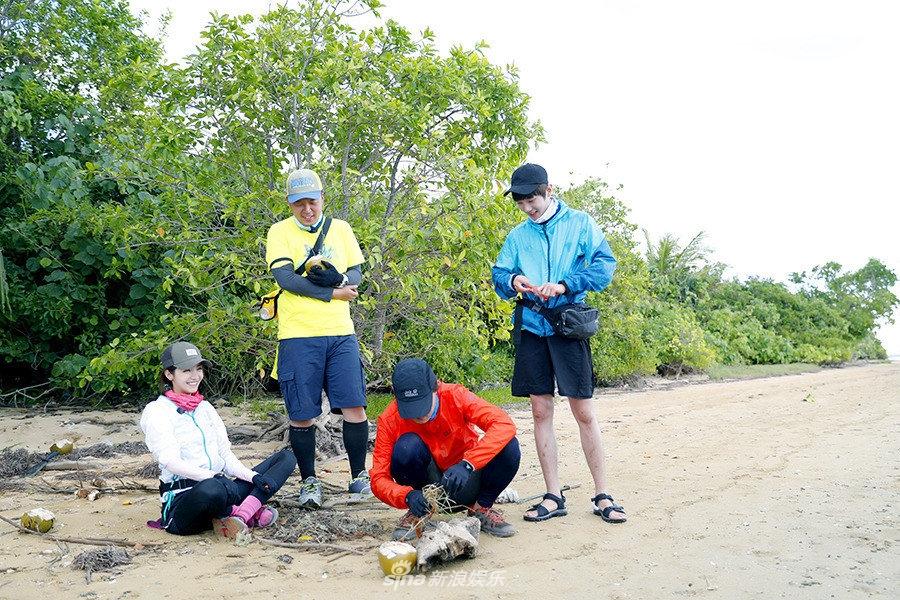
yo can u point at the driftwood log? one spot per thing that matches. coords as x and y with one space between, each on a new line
449 540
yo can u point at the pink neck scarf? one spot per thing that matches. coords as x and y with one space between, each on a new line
186 401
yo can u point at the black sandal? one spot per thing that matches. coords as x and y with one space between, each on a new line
605 512
543 514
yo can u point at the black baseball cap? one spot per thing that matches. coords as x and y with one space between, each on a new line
414 383
526 178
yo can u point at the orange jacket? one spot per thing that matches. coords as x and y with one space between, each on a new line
451 437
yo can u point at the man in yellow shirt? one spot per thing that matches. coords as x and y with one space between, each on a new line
317 345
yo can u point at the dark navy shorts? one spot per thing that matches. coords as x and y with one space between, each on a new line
541 360
306 366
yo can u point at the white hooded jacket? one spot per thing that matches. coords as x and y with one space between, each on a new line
189 445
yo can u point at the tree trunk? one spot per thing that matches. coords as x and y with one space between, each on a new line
378 329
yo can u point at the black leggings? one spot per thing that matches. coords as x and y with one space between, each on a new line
412 464
193 510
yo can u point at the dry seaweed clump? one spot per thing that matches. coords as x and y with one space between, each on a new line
17 462
322 526
148 471
101 559
105 449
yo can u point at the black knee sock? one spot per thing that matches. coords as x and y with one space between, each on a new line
303 442
356 441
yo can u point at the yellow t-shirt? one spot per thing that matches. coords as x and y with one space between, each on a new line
301 316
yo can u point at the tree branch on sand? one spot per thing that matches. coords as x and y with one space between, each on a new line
88 541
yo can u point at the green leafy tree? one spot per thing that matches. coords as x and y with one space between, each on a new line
620 348
145 220
863 296
56 63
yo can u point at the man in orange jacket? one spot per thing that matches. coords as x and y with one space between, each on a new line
427 435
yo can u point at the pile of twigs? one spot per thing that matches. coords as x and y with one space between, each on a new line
329 433
319 531
17 462
100 559
110 485
440 503
148 471
321 526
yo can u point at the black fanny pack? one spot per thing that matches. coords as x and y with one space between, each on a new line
576 321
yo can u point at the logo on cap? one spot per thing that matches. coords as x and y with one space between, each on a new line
411 393
304 182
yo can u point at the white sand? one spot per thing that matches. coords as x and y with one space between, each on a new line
733 490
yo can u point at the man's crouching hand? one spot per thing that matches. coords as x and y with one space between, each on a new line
456 477
417 503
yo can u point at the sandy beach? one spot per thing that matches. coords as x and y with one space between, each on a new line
783 487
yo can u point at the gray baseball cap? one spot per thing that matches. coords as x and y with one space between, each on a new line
303 183
182 355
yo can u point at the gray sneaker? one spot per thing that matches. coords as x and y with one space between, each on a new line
361 485
310 493
492 521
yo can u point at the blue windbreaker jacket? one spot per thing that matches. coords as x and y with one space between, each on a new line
569 247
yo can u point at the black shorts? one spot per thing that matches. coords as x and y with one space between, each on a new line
540 360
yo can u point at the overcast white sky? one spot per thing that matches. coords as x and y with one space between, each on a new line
772 125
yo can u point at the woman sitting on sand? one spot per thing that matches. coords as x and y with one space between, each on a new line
202 483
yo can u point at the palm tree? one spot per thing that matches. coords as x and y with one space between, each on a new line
677 272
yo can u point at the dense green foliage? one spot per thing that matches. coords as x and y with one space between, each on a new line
135 197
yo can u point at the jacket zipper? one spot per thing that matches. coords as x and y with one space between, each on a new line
203 437
547 237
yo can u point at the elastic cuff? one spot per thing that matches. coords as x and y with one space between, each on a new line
245 475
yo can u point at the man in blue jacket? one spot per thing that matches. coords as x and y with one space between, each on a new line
555 257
